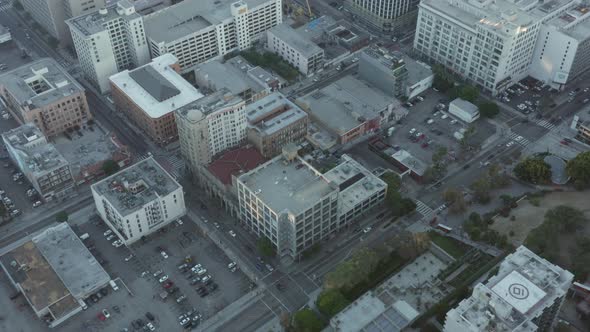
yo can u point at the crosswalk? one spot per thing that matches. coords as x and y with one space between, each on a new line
4 6
514 137
424 210
545 124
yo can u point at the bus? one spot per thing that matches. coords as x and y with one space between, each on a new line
444 228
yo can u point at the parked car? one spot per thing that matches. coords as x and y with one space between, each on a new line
181 298
149 316
205 278
108 232
168 284
157 273
163 278
106 313
232 233
164 254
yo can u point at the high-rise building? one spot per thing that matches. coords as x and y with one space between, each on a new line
52 14
108 41
198 30
43 93
524 296
138 200
388 16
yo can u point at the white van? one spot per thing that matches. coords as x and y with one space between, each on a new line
84 236
114 285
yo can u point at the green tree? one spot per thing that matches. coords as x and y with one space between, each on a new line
439 154
393 181
481 190
578 169
533 170
455 201
497 178
469 93
330 302
62 216
265 247
506 199
110 167
353 270
17 5
489 109
306 320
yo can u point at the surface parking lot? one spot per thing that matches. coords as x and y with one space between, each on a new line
133 269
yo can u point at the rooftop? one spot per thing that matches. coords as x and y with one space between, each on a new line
132 188
408 160
225 75
31 148
465 106
3 30
39 83
93 22
345 104
156 87
234 162
558 173
272 113
198 109
297 41
574 22
287 186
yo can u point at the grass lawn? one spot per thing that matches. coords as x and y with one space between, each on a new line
450 245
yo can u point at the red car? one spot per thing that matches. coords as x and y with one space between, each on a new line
101 316
564 142
424 145
168 284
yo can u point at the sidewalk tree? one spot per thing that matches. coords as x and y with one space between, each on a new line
533 170
330 302
481 190
306 320
454 199
265 247
62 216
488 109
17 5
110 167
469 93
393 181
578 169
353 270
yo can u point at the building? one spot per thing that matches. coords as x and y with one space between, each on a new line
45 168
407 163
54 271
138 200
238 76
386 16
43 93
293 205
52 14
199 30
273 122
581 125
525 295
108 41
5 35
464 110
295 48
210 126
348 108
150 95
490 43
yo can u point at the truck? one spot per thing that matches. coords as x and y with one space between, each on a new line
84 236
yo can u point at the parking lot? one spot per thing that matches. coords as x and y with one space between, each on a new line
141 292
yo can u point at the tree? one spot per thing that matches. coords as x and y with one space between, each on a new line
352 271
110 167
566 218
533 170
393 181
578 169
17 5
489 109
481 190
61 216
399 205
265 247
330 302
439 154
306 320
469 93
498 179
454 199
507 200
442 80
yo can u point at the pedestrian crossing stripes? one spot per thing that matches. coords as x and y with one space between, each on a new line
5 6
545 124
518 139
424 209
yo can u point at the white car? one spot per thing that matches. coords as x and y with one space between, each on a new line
164 254
128 258
367 229
232 233
196 268
110 237
157 273
106 313
151 326
179 221
163 278
108 232
201 272
216 225
117 243
206 278
185 321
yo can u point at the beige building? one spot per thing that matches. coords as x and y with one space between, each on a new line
150 94
43 93
273 122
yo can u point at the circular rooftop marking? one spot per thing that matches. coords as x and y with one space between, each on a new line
518 291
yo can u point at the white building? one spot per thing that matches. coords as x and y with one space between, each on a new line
488 42
295 48
5 35
209 126
198 30
464 110
292 204
524 296
108 41
388 16
138 200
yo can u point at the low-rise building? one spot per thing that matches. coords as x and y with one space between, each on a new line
43 93
151 94
139 200
54 271
464 110
239 77
525 295
349 108
295 48
273 122
407 163
39 161
5 35
581 124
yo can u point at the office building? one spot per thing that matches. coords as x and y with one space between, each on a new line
150 94
386 16
199 30
273 122
238 76
292 204
525 296
43 93
210 126
52 14
39 161
108 41
295 48
54 271
139 200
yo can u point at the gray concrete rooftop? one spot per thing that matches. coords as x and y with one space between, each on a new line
272 113
225 75
297 41
94 22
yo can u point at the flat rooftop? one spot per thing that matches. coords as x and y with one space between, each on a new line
294 39
155 87
94 22
273 113
287 186
574 22
345 104
225 75
199 109
235 162
409 161
465 106
133 187
39 83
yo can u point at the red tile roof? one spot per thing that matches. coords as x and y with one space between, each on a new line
232 162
